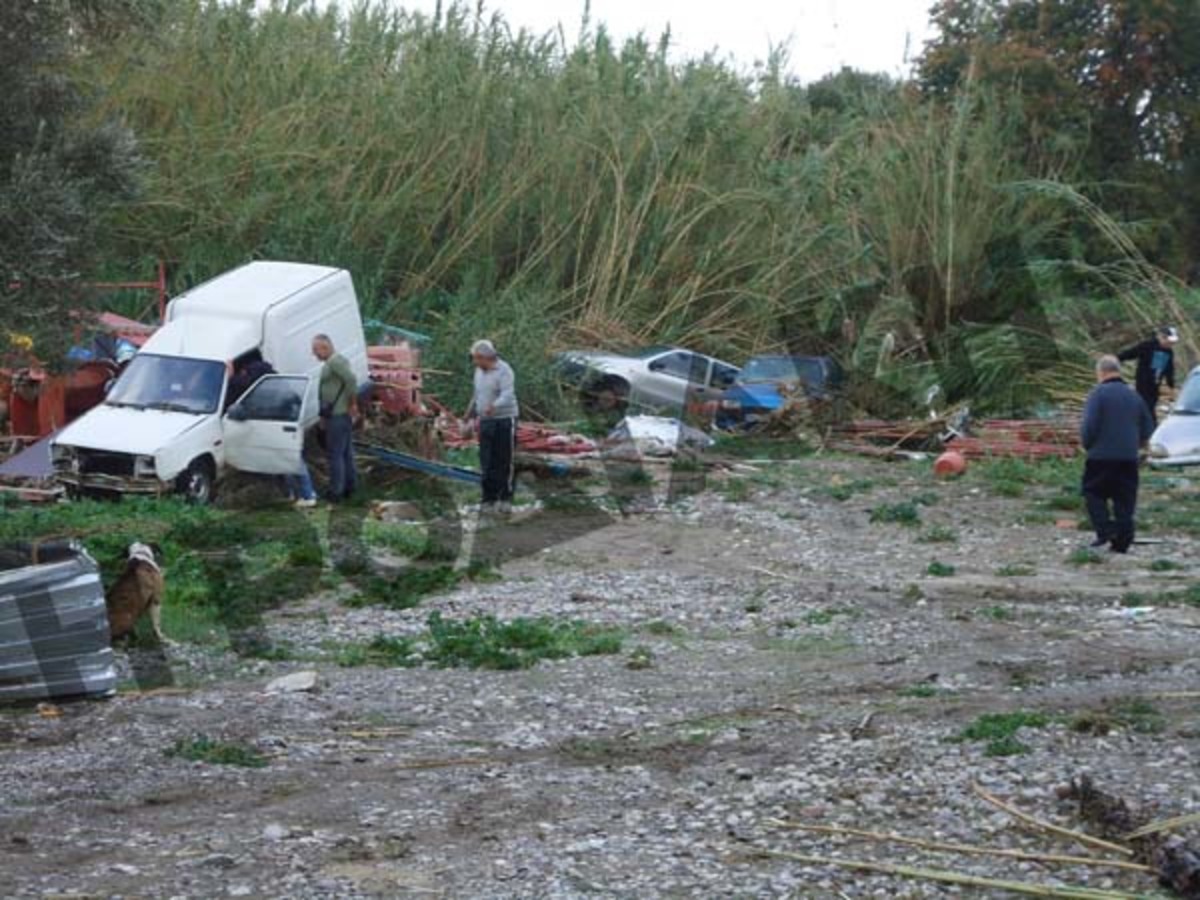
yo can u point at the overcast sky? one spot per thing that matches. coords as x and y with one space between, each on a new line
822 35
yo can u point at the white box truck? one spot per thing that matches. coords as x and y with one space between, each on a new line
164 426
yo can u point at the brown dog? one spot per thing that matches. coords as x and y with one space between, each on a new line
139 590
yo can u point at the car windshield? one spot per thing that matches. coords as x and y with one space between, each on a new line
782 368
1189 397
170 383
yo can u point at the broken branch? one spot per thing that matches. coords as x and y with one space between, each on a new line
966 849
949 877
1032 822
1163 825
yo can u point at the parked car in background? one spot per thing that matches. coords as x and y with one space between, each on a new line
765 383
658 378
1176 442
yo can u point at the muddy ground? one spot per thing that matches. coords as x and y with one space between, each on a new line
784 660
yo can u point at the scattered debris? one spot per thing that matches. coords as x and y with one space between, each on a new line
637 437
396 511
54 639
950 464
294 683
1031 822
1176 863
988 439
964 849
948 877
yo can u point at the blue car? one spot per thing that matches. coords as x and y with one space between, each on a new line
764 383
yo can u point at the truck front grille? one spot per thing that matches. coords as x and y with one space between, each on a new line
100 463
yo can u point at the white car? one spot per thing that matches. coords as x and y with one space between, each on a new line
1176 442
658 378
164 427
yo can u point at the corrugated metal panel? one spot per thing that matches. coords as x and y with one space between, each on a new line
54 634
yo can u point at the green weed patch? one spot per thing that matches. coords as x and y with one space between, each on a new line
219 753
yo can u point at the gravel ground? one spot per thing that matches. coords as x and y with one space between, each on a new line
804 668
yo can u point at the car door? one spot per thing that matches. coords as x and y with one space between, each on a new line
264 430
670 376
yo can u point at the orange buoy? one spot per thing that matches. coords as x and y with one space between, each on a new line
950 464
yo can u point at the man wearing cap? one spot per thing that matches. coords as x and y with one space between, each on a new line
1115 426
495 406
1155 364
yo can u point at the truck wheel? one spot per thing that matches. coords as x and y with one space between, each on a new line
197 482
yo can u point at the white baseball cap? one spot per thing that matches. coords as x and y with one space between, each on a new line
1169 334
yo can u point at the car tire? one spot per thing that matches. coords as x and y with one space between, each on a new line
198 482
610 395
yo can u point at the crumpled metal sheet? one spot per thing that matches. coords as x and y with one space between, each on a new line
33 462
642 436
54 633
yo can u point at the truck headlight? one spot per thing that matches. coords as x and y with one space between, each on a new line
143 467
64 458
1158 451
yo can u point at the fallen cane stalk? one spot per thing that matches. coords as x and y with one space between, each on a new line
1030 821
947 877
1163 825
966 849
451 763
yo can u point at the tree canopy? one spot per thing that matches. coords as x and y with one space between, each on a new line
61 166
1115 81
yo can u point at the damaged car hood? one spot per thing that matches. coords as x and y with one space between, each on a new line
127 430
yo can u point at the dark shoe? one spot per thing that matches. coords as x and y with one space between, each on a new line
1098 542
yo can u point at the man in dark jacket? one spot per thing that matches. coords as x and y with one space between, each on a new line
1155 365
1116 423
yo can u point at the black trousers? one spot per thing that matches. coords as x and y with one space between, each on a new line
497 444
1150 398
1106 481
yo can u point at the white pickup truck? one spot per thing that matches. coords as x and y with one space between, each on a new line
164 426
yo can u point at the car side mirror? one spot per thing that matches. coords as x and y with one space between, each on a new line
655 366
238 414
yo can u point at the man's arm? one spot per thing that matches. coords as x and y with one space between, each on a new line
1131 352
507 396
344 374
1091 421
1169 371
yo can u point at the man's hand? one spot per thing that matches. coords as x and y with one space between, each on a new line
489 409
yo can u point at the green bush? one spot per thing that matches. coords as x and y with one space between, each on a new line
486 643
221 753
905 513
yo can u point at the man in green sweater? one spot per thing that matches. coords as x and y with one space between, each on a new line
337 394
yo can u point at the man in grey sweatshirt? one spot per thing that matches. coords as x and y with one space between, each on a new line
1116 423
495 405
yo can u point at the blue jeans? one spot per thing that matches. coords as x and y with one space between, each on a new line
300 486
339 445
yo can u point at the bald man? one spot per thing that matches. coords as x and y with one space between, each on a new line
337 391
1116 423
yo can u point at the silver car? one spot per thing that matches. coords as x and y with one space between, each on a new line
1176 442
660 378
